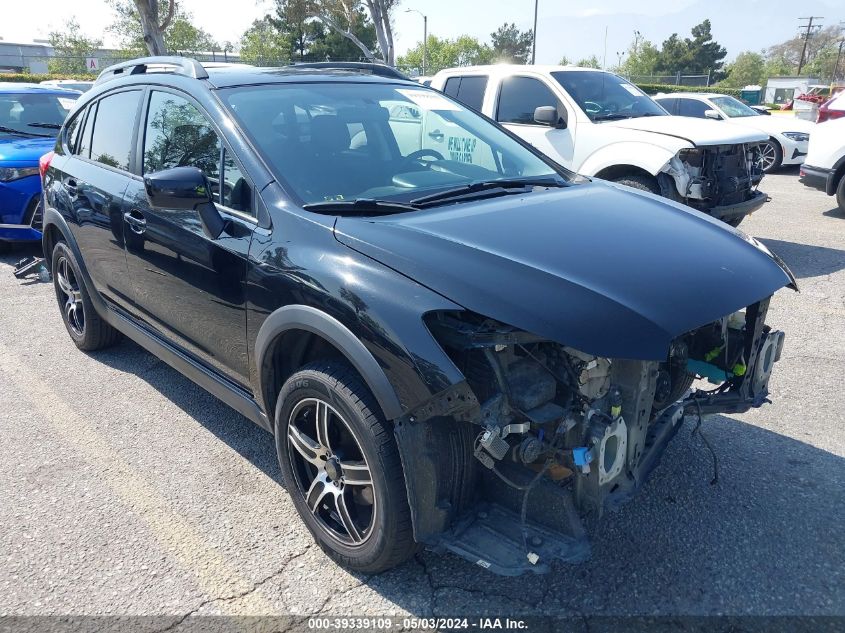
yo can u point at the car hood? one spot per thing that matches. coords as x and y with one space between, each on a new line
595 266
697 131
20 149
775 124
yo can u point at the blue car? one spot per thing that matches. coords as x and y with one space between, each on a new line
30 117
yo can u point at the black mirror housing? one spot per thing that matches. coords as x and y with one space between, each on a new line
548 115
185 188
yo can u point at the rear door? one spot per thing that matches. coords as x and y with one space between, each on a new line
189 287
94 173
517 99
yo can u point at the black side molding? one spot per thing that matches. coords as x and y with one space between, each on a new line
301 317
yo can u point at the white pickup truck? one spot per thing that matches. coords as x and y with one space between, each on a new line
597 124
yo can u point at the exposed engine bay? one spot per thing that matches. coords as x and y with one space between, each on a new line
713 176
541 435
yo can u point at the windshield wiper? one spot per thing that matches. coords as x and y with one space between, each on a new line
52 126
12 130
612 116
507 185
359 206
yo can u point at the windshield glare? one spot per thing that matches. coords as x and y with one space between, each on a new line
605 96
29 112
733 107
345 141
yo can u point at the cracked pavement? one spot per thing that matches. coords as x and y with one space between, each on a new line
128 490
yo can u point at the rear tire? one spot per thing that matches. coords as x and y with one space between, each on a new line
840 193
735 222
344 473
643 183
87 330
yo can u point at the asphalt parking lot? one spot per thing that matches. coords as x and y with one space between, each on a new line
126 489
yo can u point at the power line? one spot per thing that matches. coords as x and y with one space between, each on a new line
809 27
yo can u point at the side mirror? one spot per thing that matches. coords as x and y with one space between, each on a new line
548 115
185 188
712 114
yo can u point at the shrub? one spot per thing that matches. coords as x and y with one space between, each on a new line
653 89
36 78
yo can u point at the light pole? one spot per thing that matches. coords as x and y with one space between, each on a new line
534 38
425 36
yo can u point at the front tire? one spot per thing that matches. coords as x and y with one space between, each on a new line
341 466
87 330
840 193
771 156
643 183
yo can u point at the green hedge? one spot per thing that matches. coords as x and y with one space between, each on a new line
653 89
37 78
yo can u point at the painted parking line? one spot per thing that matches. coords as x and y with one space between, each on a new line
178 536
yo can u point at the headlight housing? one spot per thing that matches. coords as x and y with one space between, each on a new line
798 137
8 174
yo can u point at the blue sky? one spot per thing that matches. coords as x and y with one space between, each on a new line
575 28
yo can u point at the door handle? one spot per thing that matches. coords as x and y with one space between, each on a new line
136 221
436 135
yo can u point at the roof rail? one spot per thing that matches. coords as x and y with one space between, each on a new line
181 65
381 70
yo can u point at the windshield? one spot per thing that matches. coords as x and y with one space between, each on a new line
32 113
733 107
333 142
605 96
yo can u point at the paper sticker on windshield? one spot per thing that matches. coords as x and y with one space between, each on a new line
633 90
66 103
428 99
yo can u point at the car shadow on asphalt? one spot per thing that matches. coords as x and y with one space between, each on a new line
807 260
766 538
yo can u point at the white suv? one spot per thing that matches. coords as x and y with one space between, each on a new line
788 135
597 124
824 168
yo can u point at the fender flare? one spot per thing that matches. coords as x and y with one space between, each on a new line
302 317
648 157
54 218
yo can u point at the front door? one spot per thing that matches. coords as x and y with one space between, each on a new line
189 287
518 97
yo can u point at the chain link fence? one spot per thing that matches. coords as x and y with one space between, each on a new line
671 80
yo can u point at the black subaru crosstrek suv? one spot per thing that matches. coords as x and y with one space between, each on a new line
456 342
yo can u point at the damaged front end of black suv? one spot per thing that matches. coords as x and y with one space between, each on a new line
579 344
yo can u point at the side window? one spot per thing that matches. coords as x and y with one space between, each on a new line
669 104
471 91
236 192
451 87
111 142
692 107
72 133
520 96
84 148
177 134
468 90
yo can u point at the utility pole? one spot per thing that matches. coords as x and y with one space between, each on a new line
838 57
534 38
809 27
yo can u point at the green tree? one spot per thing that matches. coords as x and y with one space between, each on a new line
512 45
699 54
642 57
747 69
293 19
565 61
179 33
262 43
589 62
329 44
71 47
822 48
444 53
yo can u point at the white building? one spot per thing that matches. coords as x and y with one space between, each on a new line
783 89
